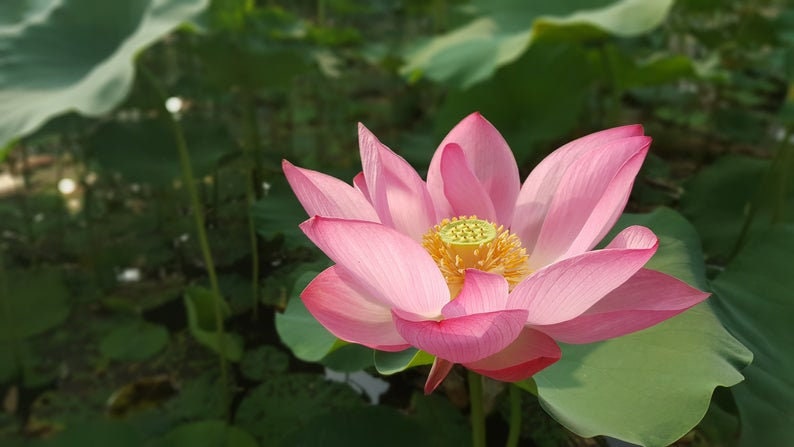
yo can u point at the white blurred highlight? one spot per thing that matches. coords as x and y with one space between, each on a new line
173 104
67 186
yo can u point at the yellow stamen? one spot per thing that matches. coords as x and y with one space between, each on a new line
464 242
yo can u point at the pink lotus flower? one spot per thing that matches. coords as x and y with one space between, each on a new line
477 269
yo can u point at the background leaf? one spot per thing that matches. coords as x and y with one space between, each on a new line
199 303
286 404
717 200
97 431
33 301
207 434
134 340
754 300
358 427
84 73
546 112
279 213
472 53
262 362
145 151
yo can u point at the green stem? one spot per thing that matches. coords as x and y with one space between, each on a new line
782 164
89 232
252 149
250 196
198 214
24 204
321 12
779 162
514 434
477 411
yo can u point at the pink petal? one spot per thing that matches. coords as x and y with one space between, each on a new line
589 199
388 266
489 158
360 183
541 185
335 300
463 339
647 298
323 195
482 292
531 352
399 195
463 190
438 372
568 288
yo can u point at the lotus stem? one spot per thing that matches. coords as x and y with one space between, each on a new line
252 149
514 433
477 410
770 184
198 214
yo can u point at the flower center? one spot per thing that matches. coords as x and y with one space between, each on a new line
464 243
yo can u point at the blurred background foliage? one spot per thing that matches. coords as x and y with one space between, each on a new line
126 268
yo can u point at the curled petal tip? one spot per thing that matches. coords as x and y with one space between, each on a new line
438 372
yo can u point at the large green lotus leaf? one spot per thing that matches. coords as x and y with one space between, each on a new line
76 55
31 301
506 28
653 386
754 300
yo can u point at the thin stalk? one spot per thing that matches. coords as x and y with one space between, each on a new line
198 214
321 12
5 297
24 204
477 411
779 162
252 149
87 211
250 197
748 221
782 164
514 434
